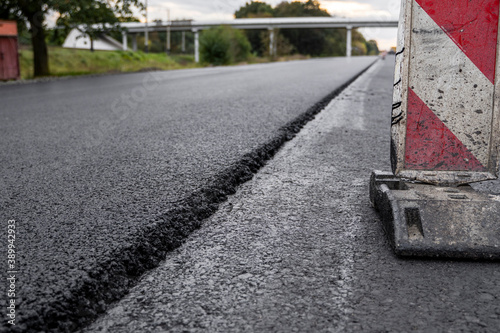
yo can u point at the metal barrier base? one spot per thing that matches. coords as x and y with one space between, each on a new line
431 221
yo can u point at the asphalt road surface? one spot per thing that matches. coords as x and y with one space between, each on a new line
104 176
299 248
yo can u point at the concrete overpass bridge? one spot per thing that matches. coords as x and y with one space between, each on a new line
270 24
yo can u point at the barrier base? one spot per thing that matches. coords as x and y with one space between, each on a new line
430 221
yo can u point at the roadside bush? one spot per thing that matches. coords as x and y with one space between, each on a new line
224 46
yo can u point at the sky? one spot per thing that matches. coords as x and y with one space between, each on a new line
224 10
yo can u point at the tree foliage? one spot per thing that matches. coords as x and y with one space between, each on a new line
223 46
72 13
89 17
314 42
372 47
300 9
305 41
254 9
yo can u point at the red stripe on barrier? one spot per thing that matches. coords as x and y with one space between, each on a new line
472 25
430 145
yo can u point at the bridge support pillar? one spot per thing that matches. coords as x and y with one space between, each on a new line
272 42
134 42
349 42
183 42
168 39
124 41
196 46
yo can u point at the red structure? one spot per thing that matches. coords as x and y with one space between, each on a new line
9 57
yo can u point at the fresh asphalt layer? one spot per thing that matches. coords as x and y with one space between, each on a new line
300 249
105 175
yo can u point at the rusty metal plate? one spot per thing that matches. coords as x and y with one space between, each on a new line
8 28
445 117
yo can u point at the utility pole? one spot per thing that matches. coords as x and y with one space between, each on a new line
196 45
183 42
349 42
146 39
272 42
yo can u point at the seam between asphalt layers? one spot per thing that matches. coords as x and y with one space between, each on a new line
114 277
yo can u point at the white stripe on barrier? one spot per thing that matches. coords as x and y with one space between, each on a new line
450 84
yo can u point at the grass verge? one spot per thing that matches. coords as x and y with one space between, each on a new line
67 62
70 62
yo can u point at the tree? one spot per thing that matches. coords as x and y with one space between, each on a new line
74 12
282 45
314 42
372 47
305 41
300 9
33 13
255 9
223 45
91 18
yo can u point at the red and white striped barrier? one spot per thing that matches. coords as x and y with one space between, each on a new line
445 119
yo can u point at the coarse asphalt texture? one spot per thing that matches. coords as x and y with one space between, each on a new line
300 249
104 176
